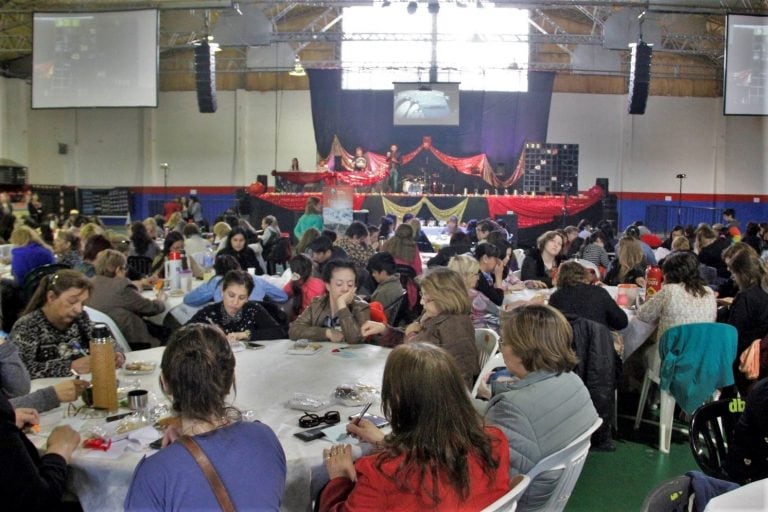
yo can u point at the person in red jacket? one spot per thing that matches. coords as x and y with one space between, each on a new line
439 455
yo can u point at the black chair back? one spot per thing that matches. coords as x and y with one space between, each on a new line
397 309
141 265
712 427
669 496
34 277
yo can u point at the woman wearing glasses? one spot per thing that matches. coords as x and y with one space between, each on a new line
446 322
198 372
54 332
439 455
335 317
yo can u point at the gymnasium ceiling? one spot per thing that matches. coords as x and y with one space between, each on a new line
583 41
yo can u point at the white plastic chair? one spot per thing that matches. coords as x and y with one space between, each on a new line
666 406
5 252
508 502
571 460
519 256
495 361
487 343
97 316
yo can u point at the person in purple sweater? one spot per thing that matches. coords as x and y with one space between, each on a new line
30 252
198 371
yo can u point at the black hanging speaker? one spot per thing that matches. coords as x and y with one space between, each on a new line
639 77
205 78
603 184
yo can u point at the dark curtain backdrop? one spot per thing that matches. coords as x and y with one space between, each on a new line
494 123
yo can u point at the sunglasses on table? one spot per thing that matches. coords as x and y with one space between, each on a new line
313 420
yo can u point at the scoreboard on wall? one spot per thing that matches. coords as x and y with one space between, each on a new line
551 168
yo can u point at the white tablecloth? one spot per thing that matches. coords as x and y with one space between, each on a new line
174 305
750 497
633 336
266 380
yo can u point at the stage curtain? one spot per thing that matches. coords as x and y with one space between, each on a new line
532 211
441 214
495 124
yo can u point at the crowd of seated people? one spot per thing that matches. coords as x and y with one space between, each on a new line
332 282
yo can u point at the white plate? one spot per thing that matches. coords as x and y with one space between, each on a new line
146 368
312 348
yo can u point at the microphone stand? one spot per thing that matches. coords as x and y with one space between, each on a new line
680 177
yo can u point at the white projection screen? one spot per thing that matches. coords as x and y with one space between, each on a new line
746 65
95 59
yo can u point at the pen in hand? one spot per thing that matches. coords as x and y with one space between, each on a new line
362 413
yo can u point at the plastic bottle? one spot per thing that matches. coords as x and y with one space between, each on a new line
172 268
208 258
653 280
103 379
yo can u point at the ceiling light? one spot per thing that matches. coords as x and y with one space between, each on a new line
412 6
298 69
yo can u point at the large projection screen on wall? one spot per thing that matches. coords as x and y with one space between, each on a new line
746 65
95 59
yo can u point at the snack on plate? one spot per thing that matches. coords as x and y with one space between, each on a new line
357 394
140 366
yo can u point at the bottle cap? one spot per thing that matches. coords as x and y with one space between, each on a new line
101 331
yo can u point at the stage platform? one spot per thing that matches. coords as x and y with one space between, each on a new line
534 214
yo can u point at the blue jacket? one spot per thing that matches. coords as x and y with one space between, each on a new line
210 291
696 359
28 257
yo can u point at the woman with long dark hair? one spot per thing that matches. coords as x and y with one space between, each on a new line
439 456
685 297
198 372
141 243
174 242
236 245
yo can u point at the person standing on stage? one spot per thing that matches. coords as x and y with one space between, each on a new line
360 163
393 159
295 164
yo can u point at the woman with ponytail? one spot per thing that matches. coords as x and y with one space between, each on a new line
198 372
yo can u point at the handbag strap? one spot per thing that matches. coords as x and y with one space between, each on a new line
222 496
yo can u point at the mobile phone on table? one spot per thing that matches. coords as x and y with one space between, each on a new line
311 434
253 345
379 421
156 444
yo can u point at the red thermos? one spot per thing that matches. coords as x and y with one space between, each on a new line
653 280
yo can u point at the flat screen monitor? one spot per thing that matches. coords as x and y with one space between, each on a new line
426 104
95 59
746 65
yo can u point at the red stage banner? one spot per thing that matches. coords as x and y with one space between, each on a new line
531 210
297 202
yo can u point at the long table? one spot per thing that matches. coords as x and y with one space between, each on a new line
266 380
